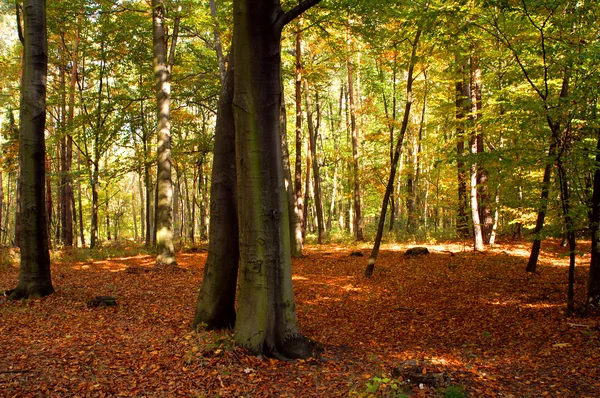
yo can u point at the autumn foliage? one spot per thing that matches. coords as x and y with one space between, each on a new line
477 320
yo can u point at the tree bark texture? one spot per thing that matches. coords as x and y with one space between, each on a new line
594 275
266 319
215 307
474 116
165 252
34 275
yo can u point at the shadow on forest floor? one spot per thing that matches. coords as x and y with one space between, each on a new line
477 318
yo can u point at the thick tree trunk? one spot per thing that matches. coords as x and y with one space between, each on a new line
165 251
266 320
34 275
216 302
594 215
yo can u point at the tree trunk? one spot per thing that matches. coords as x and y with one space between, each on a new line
462 95
397 154
307 191
70 214
95 188
34 275
216 302
48 167
298 165
594 215
79 201
266 320
107 211
313 131
18 211
1 206
165 251
477 232
358 218
552 159
218 45
296 243
483 195
565 189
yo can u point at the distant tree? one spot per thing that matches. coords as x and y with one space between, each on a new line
164 190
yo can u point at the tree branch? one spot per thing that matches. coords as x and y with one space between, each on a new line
292 14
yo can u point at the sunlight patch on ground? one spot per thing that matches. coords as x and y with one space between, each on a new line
520 304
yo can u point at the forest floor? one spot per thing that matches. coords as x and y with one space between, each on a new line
434 325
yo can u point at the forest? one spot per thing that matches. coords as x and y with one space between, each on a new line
299 198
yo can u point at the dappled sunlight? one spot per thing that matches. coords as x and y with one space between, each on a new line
475 317
520 304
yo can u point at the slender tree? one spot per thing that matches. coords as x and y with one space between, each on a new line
397 153
358 217
164 203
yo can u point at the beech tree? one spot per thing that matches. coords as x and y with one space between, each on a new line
164 191
266 316
34 275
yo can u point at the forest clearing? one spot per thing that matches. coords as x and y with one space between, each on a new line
475 322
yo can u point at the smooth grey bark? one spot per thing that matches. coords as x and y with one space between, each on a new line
34 274
266 319
165 251
216 301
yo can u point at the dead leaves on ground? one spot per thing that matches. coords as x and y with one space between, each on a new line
476 321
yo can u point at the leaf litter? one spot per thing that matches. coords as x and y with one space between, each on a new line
450 318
